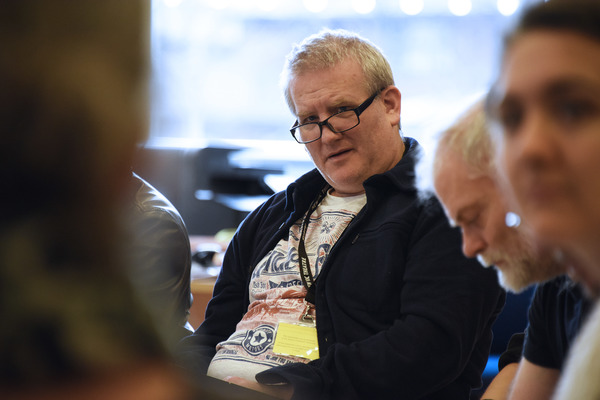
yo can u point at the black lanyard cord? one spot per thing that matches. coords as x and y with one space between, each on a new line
307 278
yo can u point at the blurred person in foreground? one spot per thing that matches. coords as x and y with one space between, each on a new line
466 180
384 303
72 108
545 110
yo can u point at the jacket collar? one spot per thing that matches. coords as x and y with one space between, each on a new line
300 193
402 176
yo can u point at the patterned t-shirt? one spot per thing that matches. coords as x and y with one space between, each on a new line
277 293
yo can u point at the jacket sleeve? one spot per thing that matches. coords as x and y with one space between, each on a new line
437 344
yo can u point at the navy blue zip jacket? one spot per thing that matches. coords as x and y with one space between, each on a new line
401 313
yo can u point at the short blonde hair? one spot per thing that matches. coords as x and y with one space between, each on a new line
469 138
329 48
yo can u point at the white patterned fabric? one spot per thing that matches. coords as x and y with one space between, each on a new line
277 293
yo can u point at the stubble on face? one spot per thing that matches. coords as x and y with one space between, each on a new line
524 263
374 146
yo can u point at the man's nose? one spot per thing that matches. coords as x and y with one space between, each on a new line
327 134
536 143
473 244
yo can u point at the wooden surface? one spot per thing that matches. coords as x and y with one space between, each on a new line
202 288
202 292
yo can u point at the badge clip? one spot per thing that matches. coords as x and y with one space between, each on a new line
307 317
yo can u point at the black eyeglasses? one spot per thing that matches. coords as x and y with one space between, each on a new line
339 122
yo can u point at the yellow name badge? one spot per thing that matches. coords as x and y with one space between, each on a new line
297 340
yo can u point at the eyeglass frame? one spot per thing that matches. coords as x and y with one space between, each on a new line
357 110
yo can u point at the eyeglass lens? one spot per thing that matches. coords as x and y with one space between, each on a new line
337 123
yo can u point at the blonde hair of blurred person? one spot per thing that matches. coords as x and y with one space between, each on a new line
466 182
72 108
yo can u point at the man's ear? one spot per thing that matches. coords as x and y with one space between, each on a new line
392 97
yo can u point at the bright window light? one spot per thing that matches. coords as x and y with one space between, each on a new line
216 63
172 3
217 4
411 7
267 5
363 6
315 5
508 7
459 7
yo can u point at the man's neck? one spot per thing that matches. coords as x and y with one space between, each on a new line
336 193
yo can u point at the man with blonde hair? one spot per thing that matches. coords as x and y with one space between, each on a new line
466 181
346 285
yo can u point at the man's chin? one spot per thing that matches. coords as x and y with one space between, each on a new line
514 285
484 263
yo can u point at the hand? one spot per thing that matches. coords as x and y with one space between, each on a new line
284 392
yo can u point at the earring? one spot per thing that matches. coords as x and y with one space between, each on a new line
512 219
